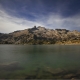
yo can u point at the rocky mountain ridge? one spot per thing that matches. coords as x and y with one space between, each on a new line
41 35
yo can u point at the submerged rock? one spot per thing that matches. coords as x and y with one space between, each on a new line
49 73
10 66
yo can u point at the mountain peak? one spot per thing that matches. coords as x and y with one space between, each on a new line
40 35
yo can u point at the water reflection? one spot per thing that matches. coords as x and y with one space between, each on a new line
39 62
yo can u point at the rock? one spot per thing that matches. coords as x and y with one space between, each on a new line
10 66
41 35
69 76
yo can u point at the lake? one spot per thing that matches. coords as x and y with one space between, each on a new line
39 61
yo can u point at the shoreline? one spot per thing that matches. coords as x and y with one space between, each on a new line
45 44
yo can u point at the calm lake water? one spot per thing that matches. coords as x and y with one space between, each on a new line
39 61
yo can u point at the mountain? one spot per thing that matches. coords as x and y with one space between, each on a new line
41 35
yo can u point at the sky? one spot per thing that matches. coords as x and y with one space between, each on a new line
51 14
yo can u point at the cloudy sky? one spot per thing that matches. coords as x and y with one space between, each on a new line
52 14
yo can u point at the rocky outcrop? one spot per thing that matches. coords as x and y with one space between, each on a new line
41 35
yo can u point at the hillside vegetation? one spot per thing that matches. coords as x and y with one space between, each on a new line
41 35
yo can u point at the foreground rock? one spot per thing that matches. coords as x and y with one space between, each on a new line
10 66
41 35
49 73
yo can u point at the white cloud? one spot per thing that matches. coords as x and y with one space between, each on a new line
57 21
10 23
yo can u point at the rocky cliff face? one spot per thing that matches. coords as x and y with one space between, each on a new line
40 35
